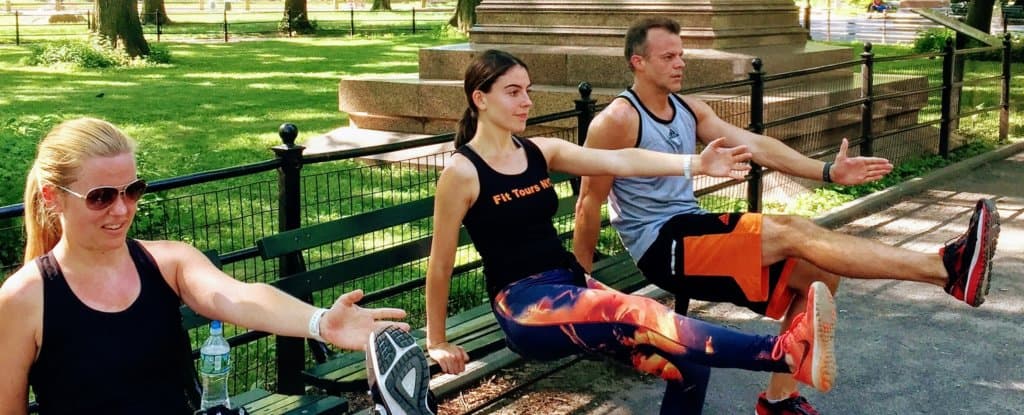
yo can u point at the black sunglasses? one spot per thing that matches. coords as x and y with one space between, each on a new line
102 197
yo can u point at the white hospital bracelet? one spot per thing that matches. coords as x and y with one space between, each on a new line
314 323
687 161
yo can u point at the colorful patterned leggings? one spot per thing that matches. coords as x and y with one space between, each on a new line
546 316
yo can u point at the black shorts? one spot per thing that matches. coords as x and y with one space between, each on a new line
717 257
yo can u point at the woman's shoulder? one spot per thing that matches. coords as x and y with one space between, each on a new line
460 168
166 252
22 290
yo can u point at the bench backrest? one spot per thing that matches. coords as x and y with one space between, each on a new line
304 283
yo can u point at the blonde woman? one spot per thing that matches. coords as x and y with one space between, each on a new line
91 321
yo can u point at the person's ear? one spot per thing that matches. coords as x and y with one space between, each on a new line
480 100
635 61
50 195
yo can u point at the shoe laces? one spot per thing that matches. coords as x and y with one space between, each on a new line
779 350
799 405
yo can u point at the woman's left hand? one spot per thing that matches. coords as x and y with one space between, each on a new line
348 326
719 161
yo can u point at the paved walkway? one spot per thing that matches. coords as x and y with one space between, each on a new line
903 348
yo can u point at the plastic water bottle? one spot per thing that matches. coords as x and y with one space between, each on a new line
214 368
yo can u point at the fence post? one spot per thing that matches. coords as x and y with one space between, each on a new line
757 127
158 31
947 98
414 20
17 28
247 5
225 25
352 20
88 20
828 24
1004 100
586 106
867 108
7 6
288 21
807 17
290 352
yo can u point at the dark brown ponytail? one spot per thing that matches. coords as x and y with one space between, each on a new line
480 76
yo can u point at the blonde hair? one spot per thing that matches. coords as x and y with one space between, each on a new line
58 159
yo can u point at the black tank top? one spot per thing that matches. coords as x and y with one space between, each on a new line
93 362
510 222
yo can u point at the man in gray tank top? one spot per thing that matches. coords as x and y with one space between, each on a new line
762 262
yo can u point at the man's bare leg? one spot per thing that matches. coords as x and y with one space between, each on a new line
837 253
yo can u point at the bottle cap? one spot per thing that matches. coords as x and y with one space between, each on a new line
215 327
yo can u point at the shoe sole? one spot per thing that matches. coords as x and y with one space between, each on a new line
823 363
400 371
978 279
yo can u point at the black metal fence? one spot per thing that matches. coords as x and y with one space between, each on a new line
21 26
893 108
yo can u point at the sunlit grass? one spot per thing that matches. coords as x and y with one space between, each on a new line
214 106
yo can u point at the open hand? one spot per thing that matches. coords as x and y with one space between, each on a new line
857 170
719 161
347 325
450 357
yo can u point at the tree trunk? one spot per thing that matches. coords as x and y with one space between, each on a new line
465 15
119 23
381 5
979 16
297 17
153 8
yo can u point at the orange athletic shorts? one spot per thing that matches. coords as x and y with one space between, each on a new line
717 257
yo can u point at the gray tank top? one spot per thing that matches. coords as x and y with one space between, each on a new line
639 206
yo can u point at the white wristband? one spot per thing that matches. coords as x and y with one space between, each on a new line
687 164
314 323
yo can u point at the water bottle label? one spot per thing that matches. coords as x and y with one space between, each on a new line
215 364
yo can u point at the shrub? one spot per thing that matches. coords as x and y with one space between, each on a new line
66 18
158 54
76 53
932 40
91 55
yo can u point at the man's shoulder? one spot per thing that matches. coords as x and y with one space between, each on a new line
620 112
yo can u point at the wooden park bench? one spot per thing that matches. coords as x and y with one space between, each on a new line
475 329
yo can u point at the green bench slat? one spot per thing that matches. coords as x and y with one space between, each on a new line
316 235
305 283
262 402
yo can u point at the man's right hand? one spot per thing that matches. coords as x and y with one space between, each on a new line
450 357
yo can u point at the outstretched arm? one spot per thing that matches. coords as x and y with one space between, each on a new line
776 155
216 295
716 160
456 191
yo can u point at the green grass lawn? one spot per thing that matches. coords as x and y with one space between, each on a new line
215 105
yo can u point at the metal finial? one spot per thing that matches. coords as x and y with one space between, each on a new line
288 133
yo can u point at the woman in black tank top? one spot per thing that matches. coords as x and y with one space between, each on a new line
497 185
91 321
